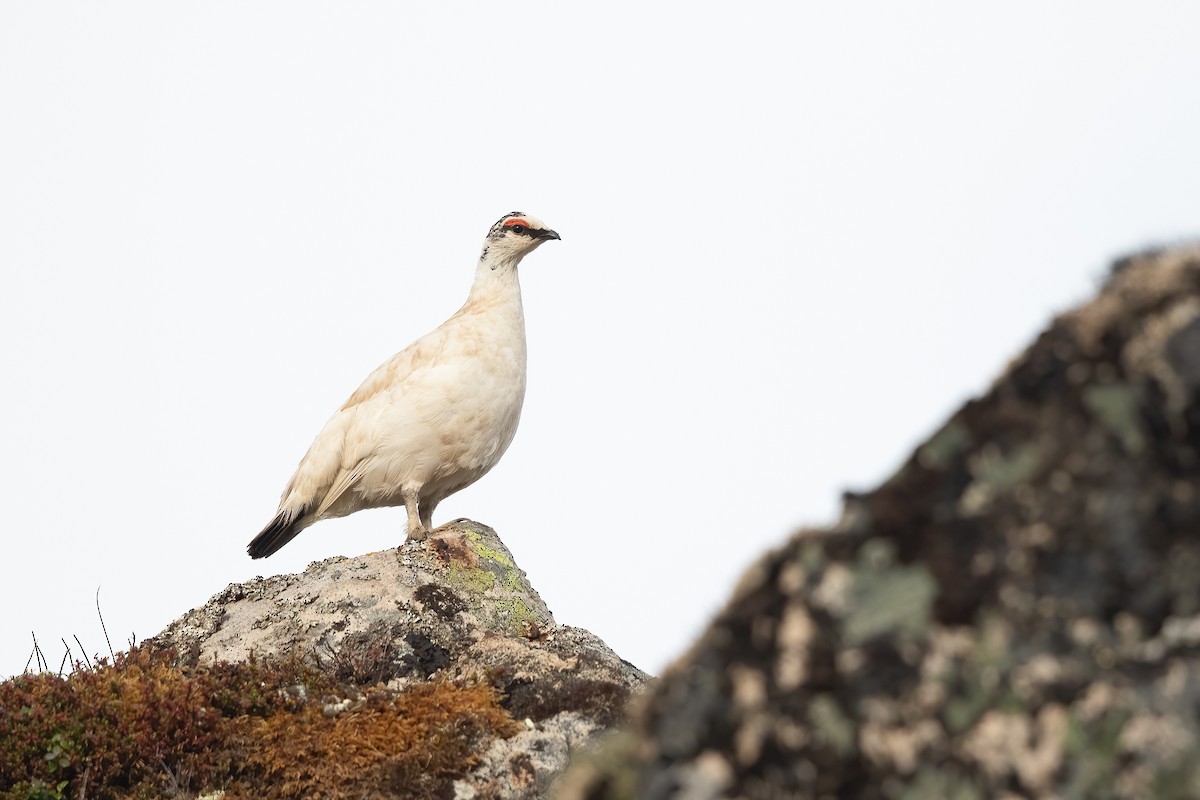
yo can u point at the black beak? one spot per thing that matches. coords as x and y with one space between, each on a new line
546 235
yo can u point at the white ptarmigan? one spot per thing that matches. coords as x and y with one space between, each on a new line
432 419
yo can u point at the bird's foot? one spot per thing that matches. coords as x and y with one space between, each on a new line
417 533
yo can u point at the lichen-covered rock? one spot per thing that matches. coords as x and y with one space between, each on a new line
1015 613
455 606
446 593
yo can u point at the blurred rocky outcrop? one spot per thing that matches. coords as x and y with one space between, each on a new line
1015 613
453 607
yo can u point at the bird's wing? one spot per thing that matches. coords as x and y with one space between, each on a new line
393 372
335 461
320 468
344 480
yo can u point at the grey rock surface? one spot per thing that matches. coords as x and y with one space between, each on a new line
455 606
1014 614
525 765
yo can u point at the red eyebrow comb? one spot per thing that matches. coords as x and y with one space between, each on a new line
516 221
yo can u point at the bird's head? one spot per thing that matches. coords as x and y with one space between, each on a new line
514 236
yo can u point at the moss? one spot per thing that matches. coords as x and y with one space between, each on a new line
144 727
414 745
127 728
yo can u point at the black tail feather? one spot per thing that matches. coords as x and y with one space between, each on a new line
279 532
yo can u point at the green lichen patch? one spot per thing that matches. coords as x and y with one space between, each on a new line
1000 471
516 614
944 783
830 725
488 553
1092 746
490 583
497 562
472 579
945 446
890 600
1115 406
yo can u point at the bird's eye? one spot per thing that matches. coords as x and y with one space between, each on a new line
518 228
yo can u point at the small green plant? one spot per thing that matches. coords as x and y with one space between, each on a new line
58 756
40 791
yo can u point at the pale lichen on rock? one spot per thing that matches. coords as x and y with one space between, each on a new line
1014 613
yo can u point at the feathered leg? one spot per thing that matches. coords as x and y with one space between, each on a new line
416 529
427 514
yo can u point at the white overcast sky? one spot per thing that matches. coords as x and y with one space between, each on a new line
795 236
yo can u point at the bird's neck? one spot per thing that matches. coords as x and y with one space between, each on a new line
496 281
